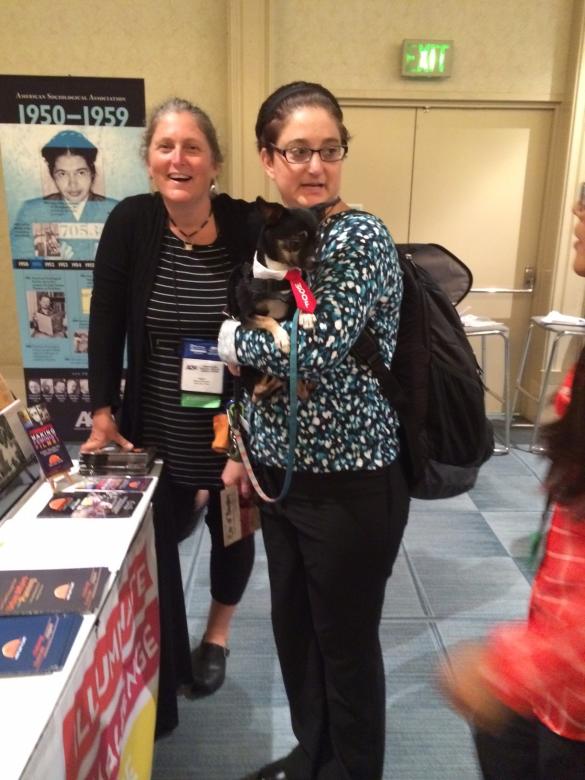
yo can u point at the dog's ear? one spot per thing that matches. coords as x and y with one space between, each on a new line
271 212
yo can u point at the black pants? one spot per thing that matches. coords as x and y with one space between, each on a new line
331 546
528 750
230 568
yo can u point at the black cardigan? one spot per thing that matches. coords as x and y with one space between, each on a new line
125 269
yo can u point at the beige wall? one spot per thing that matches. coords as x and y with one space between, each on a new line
177 47
505 52
504 49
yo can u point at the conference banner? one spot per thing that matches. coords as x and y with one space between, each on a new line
103 726
70 150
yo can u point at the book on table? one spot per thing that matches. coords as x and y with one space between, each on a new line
36 591
48 446
36 644
113 460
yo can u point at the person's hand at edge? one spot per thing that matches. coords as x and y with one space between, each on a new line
234 473
464 683
103 431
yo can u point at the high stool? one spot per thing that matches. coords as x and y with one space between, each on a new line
557 331
491 328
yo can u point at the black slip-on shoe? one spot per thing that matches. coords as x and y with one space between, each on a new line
208 663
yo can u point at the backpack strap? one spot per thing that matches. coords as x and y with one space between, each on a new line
366 350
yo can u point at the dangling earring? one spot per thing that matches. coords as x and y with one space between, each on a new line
213 189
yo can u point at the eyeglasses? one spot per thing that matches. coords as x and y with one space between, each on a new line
303 154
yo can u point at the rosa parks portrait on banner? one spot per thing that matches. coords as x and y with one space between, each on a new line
66 222
46 314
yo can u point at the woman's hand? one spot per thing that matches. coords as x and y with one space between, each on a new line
234 473
464 684
103 431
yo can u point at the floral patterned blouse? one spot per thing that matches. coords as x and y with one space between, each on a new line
346 424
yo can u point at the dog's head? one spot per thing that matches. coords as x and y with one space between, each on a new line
288 236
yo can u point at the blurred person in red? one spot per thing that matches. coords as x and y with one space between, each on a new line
524 688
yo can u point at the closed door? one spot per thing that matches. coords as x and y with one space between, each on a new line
472 180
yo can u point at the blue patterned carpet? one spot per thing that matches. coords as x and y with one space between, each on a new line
462 567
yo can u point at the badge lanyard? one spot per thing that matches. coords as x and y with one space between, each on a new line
201 376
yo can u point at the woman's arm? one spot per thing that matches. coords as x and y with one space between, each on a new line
108 311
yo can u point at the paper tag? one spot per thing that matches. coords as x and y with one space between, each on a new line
202 371
239 516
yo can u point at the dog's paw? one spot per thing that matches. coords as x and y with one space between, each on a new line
304 388
307 320
282 340
265 387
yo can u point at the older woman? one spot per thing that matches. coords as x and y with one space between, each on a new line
160 278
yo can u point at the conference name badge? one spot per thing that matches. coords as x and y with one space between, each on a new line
202 374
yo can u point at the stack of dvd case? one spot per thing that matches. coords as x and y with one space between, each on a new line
117 461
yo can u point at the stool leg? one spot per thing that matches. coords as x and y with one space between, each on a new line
542 394
518 388
505 398
507 409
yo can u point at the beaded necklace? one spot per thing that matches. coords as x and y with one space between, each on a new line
188 244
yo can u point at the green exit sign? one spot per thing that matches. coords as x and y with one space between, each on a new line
426 59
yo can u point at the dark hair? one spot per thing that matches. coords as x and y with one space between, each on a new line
52 153
282 102
564 443
177 105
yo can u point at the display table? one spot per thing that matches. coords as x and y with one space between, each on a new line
94 718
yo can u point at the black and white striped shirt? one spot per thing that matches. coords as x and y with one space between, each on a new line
188 300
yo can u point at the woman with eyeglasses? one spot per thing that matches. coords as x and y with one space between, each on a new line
331 543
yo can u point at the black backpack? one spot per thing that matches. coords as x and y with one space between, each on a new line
435 381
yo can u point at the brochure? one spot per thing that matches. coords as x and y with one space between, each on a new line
139 484
36 644
34 591
92 503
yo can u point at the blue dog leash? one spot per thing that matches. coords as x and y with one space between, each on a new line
234 414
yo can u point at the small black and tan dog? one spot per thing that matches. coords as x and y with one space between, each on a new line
269 290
